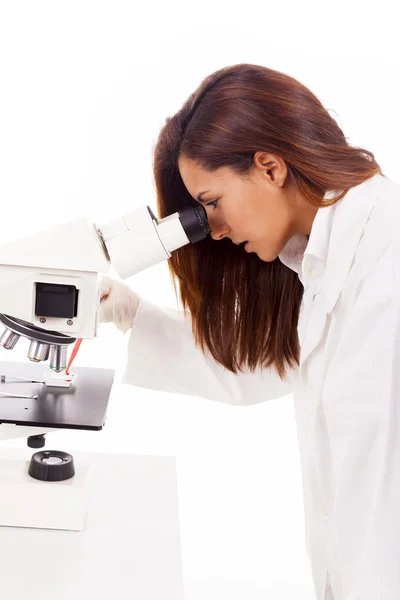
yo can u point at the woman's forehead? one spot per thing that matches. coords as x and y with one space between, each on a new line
196 175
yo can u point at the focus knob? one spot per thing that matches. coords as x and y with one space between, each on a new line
51 465
36 441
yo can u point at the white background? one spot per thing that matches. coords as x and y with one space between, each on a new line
84 90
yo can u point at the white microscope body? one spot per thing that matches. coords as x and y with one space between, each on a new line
51 279
49 294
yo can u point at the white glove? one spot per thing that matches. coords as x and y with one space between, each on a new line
119 303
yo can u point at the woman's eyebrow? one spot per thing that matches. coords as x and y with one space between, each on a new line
200 195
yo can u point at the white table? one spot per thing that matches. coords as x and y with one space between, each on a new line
129 549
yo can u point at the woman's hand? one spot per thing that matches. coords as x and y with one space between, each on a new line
119 303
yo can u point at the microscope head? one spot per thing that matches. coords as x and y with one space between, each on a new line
49 289
50 281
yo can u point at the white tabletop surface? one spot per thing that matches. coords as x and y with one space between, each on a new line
240 509
129 549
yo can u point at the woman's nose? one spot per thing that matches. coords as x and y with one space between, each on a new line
218 232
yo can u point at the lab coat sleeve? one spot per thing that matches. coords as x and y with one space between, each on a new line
361 399
162 355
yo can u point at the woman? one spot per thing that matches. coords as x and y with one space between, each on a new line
309 305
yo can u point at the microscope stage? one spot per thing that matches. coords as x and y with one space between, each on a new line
82 406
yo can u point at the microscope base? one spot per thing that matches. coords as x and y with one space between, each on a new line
27 502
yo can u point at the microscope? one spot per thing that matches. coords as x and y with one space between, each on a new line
49 299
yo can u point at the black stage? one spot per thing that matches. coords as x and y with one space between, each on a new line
82 406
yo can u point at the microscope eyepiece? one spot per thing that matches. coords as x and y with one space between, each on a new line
195 223
139 240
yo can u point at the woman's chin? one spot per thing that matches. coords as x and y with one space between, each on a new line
264 255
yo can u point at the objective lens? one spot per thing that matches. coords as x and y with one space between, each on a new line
58 358
37 351
8 339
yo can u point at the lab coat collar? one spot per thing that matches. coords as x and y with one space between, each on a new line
345 222
316 252
349 219
302 251
318 243
293 253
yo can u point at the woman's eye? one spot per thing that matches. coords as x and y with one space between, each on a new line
213 203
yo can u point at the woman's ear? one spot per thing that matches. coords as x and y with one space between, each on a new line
273 166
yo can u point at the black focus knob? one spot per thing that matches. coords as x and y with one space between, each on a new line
36 441
51 465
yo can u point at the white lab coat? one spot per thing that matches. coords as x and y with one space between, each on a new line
346 389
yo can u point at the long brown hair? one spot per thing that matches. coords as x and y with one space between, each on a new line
245 311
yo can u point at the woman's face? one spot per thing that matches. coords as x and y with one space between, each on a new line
258 208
